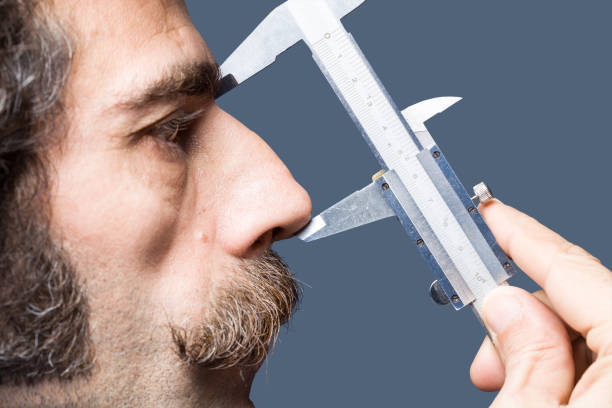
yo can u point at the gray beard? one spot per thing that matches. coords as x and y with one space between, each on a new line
44 318
245 318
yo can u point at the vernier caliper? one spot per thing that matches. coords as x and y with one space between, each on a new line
417 184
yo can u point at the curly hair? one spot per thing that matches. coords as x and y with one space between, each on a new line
43 311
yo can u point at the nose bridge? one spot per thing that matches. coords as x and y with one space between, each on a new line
261 201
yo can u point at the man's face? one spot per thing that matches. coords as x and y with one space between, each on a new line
161 199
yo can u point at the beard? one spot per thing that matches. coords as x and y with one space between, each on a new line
44 316
245 317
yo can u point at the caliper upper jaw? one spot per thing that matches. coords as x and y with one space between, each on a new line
275 34
368 204
419 113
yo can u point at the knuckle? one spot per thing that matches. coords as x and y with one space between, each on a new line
535 349
576 253
571 254
527 346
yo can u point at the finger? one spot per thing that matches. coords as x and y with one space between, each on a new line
487 370
541 296
593 389
580 351
534 347
578 286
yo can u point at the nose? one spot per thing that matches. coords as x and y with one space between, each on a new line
261 201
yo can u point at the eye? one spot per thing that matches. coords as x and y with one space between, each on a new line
175 130
170 130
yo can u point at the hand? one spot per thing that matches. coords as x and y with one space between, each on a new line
553 347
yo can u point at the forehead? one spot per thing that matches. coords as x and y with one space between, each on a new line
121 45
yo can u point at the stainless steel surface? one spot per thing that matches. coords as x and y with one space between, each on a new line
437 256
419 113
275 34
485 271
362 207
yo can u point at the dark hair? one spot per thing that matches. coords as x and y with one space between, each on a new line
34 61
43 313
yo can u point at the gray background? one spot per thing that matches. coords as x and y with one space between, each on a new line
533 124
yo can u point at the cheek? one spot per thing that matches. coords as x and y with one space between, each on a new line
120 209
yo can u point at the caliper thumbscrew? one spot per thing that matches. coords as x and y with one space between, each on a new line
482 193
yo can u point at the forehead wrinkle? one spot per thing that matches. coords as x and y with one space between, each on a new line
170 19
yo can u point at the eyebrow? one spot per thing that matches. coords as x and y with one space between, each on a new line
201 79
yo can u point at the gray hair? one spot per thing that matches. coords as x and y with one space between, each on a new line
43 311
35 58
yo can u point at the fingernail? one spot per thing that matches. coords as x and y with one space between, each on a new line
501 309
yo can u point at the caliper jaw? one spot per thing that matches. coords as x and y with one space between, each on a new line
360 208
274 35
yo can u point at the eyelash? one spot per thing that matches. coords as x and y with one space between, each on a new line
175 131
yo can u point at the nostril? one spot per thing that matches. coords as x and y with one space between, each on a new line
260 245
276 232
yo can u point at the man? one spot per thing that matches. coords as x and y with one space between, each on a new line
137 220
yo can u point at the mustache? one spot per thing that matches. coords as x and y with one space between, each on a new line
245 317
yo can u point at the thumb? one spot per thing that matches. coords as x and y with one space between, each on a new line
534 347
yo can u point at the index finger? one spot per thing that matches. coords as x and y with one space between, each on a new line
578 285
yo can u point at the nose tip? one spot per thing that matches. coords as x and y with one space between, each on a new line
285 229
271 215
288 212
300 217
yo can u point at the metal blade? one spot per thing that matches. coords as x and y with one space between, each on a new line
362 207
419 113
342 7
276 33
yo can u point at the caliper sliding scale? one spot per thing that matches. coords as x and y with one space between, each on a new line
417 184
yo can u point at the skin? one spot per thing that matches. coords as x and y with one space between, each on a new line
545 342
153 233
